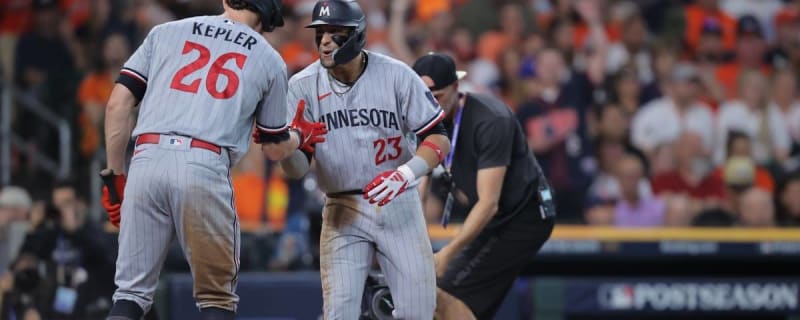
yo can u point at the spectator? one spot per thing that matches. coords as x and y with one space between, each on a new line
94 91
787 46
79 267
696 14
662 160
785 99
15 205
691 178
605 187
636 209
633 49
250 190
753 115
554 123
510 34
664 120
710 54
601 214
626 91
757 209
45 50
751 49
14 20
739 148
788 201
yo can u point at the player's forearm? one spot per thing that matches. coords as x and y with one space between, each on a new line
118 127
431 157
478 217
296 165
277 151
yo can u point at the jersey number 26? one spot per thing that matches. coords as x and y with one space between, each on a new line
217 69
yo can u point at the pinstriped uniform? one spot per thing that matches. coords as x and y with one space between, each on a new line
234 78
370 130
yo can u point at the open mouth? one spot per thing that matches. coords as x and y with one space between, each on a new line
327 53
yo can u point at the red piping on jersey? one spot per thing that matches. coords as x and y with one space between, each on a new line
431 124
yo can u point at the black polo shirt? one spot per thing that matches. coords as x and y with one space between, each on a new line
490 136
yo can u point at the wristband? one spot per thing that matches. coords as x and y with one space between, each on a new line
435 148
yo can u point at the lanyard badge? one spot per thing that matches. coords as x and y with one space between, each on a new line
448 165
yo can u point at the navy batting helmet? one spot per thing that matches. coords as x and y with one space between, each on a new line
343 13
270 13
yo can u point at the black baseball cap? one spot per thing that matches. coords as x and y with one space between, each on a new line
748 24
440 68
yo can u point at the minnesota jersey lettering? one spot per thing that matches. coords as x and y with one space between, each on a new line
360 117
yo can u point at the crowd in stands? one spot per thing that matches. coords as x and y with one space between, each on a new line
642 113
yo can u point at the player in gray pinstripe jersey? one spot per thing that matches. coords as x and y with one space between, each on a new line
372 104
201 83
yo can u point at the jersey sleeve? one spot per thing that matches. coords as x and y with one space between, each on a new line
296 93
493 142
271 118
420 108
135 71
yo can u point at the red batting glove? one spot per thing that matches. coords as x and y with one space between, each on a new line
386 186
310 133
114 209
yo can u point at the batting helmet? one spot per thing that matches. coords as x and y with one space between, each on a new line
270 13
343 13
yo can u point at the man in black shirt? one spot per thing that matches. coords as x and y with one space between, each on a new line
495 173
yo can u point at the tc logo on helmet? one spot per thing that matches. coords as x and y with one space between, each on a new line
325 11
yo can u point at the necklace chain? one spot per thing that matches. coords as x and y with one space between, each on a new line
341 85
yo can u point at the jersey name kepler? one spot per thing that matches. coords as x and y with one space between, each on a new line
360 117
241 38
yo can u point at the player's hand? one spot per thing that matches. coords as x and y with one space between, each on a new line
117 184
440 261
387 185
311 133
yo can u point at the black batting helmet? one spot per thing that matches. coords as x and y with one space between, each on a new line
270 13
343 13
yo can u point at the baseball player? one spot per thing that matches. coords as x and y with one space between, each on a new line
511 213
201 83
375 107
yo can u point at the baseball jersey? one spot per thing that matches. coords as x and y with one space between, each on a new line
371 125
207 78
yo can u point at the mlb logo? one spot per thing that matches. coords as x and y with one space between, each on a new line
176 141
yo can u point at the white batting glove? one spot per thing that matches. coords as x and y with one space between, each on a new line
387 185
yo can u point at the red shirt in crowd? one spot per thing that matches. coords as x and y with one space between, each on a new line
673 182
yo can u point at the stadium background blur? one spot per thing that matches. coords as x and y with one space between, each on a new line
670 129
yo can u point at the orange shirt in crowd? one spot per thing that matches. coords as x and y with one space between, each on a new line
728 77
491 44
250 191
15 16
94 89
695 15
297 56
428 9
77 11
763 179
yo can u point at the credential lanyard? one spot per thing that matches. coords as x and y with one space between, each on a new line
448 163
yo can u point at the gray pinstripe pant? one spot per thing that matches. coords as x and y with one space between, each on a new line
175 191
354 232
